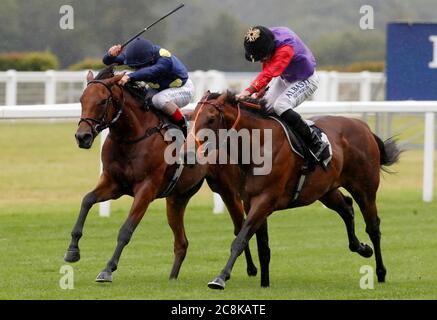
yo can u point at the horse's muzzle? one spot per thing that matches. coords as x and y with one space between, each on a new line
84 140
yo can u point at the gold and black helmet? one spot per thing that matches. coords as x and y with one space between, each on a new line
259 42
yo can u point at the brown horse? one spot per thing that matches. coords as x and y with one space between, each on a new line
358 156
134 164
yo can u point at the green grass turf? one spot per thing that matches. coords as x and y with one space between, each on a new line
43 177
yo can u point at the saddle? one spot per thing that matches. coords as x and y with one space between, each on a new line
299 147
140 92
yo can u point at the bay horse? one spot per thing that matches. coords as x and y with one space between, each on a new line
358 157
134 164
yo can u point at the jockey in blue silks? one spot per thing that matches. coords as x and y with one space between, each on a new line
165 75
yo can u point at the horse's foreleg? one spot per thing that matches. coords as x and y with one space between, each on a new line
256 217
141 201
336 201
175 217
104 190
262 239
235 208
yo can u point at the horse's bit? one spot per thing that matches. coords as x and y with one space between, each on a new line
102 123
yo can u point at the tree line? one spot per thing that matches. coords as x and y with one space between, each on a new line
202 37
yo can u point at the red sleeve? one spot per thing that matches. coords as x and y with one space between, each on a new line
273 68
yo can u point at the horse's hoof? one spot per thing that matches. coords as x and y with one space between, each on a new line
365 251
104 276
173 277
252 271
217 284
380 274
265 282
72 256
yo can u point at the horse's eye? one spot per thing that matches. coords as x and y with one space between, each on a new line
211 120
101 103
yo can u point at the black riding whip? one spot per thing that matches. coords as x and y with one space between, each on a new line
147 28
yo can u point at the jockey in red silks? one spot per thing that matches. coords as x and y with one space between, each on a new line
165 75
287 79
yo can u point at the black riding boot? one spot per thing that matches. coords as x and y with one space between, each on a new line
311 139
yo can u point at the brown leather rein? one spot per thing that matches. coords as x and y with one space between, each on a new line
220 109
103 123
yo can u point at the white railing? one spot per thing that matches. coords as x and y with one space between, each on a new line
329 89
427 108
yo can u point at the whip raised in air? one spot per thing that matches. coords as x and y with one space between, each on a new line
147 28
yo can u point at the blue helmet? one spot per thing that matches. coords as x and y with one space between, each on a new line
139 52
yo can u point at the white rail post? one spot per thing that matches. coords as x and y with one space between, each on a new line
216 81
322 93
11 88
50 87
428 157
104 207
365 86
365 89
219 206
334 86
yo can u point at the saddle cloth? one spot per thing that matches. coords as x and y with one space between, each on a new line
296 143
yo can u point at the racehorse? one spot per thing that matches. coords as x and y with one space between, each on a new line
134 164
358 157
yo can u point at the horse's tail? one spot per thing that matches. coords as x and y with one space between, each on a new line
389 152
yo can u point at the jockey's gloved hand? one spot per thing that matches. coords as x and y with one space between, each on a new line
243 95
261 93
124 80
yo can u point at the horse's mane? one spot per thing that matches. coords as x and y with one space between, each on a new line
134 90
232 100
106 73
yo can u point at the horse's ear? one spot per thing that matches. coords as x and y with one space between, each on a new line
206 94
90 76
222 98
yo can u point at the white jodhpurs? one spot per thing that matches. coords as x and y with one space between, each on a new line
283 95
180 96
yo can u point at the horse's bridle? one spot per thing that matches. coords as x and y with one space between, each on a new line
103 123
220 109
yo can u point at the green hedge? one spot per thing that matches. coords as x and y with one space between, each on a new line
28 61
372 66
87 64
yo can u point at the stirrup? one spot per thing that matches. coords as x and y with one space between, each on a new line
322 151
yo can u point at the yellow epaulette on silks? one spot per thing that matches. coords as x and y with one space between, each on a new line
164 53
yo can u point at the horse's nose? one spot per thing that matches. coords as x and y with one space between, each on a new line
84 139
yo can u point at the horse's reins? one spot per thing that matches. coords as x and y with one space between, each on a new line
102 123
219 108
